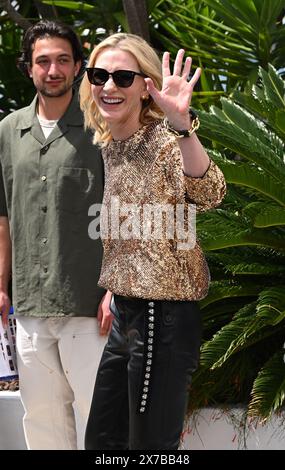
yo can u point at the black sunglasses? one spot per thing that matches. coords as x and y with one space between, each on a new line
121 78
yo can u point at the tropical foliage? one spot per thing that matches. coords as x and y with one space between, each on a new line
229 39
15 90
242 359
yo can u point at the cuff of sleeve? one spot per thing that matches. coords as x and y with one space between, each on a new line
207 191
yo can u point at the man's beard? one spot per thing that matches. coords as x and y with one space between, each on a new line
55 93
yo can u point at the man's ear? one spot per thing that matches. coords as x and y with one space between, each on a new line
29 69
77 67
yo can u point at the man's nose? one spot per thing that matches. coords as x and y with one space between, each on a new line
53 68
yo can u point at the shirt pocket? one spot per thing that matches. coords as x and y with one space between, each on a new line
74 189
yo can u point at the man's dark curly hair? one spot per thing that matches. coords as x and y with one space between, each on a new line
51 29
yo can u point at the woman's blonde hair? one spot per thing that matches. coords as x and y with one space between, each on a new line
149 64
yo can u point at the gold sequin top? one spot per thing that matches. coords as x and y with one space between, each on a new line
147 254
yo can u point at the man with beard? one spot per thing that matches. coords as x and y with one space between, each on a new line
50 175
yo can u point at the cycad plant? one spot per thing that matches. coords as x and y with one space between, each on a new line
229 39
242 358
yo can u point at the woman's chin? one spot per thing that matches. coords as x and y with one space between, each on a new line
110 117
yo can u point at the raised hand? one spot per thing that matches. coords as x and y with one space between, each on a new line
175 96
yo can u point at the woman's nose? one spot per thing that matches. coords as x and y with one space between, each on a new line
110 83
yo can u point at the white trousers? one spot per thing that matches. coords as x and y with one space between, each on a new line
57 362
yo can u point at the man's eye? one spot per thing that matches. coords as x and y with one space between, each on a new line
42 62
63 61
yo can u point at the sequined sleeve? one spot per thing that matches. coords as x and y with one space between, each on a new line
209 190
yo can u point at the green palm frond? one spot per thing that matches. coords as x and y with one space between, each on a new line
228 39
72 5
271 305
221 229
247 262
266 101
256 269
219 348
273 87
246 121
247 327
251 176
228 289
262 215
264 153
268 391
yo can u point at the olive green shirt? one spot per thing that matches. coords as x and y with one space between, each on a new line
46 189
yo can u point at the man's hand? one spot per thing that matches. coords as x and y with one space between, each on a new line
5 305
104 314
5 269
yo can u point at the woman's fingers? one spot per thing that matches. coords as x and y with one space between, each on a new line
178 62
179 69
187 68
165 64
195 77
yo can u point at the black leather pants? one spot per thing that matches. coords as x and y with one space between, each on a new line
141 390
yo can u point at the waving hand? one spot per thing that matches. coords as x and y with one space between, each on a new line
175 96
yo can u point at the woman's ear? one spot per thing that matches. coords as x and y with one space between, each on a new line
145 96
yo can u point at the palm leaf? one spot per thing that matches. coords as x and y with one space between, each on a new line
226 289
273 90
248 262
262 215
213 236
247 327
251 176
268 392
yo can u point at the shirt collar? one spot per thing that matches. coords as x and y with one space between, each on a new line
72 116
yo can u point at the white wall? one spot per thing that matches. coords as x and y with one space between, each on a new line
11 429
210 429
214 429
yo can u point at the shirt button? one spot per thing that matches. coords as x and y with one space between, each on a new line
44 149
43 178
44 240
44 209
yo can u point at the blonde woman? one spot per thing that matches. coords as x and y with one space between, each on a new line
154 166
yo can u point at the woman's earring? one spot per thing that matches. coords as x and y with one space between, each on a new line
145 97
